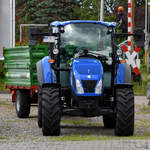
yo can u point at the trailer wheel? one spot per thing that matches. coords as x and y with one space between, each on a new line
22 103
39 109
50 112
124 112
109 121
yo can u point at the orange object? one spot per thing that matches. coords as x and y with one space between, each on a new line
123 61
120 9
13 92
51 61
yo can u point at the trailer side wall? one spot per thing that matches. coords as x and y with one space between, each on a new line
20 65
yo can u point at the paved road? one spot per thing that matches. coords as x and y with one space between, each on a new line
80 145
25 135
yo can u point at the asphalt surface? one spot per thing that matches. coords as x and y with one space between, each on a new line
20 134
80 145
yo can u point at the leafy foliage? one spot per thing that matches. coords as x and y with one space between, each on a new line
45 11
140 2
88 9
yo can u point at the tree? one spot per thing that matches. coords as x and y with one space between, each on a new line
88 9
44 11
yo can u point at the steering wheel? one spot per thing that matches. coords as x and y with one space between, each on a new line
84 51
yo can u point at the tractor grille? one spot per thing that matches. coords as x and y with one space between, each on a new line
89 85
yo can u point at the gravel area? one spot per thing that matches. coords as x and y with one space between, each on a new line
76 132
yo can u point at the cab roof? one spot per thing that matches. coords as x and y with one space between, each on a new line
64 23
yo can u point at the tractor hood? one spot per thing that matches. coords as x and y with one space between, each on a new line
86 67
88 73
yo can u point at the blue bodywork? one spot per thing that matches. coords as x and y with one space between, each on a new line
64 23
49 75
83 69
120 74
86 69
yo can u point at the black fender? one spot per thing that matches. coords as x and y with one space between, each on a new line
123 74
127 76
40 75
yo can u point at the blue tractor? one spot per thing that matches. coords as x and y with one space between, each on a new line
83 76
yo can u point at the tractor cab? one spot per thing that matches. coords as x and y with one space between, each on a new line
86 46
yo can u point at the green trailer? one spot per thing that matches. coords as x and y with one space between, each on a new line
21 75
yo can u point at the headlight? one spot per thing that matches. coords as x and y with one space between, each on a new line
99 87
79 87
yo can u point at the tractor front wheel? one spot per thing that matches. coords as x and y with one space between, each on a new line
50 111
22 103
124 112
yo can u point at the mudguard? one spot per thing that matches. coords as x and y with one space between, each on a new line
45 74
123 74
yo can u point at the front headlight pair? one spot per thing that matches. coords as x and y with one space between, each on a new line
98 89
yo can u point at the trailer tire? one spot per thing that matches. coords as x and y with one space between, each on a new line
109 121
22 103
50 111
124 112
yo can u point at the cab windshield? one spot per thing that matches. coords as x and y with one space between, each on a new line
94 37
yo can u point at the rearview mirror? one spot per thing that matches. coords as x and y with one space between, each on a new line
33 37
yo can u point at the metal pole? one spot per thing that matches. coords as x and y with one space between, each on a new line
130 23
147 39
102 11
146 36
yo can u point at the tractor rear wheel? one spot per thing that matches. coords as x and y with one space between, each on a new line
124 112
22 103
109 121
50 111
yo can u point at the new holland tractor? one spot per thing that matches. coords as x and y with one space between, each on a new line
83 76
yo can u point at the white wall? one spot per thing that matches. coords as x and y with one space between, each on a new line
7 24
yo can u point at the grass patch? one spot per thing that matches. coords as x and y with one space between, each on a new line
77 137
2 83
144 123
4 138
99 138
74 122
80 122
140 89
2 87
144 110
35 139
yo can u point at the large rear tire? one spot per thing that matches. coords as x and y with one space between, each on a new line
50 111
124 112
109 121
22 103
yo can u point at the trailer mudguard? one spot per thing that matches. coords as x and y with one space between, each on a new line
123 74
45 74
